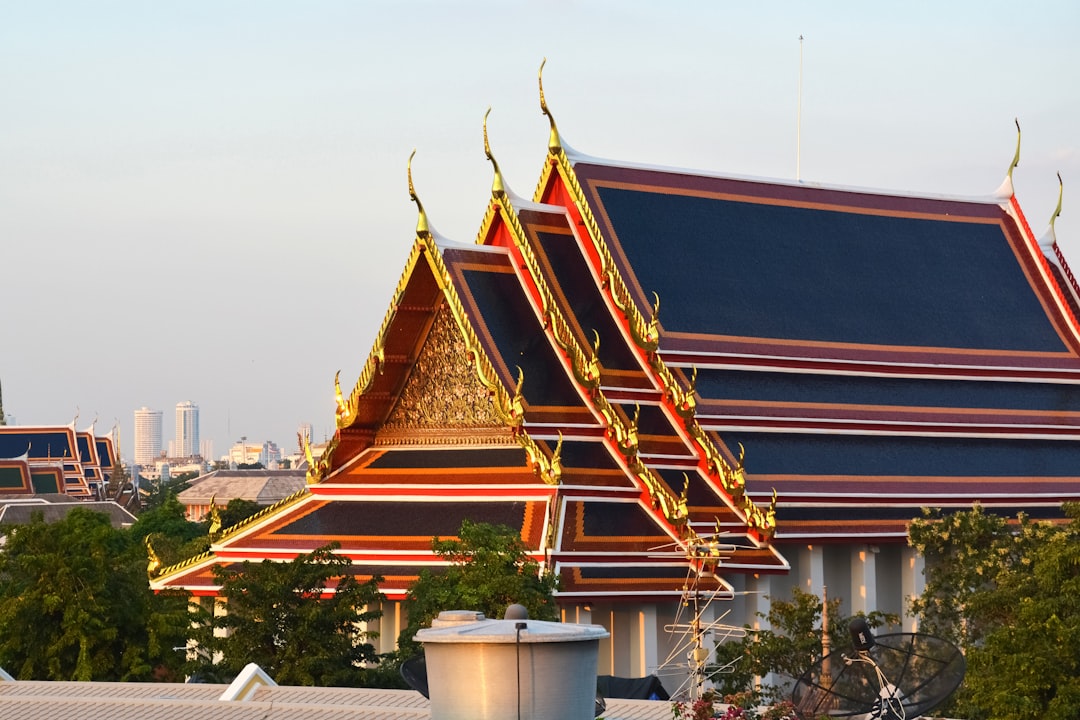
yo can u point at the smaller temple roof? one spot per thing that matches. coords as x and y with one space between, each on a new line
264 487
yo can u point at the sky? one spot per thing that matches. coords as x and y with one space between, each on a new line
207 201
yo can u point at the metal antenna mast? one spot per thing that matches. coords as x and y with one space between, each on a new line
798 121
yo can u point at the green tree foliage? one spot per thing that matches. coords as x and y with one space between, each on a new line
75 605
172 535
1009 594
236 511
297 620
490 568
789 648
965 554
162 489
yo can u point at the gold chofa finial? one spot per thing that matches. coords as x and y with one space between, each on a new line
498 189
422 228
554 141
1016 158
1061 194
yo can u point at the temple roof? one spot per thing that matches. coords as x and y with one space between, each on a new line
640 365
873 352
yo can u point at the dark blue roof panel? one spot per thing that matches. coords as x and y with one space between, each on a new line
758 269
819 454
892 391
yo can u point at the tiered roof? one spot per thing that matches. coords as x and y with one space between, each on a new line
828 361
54 459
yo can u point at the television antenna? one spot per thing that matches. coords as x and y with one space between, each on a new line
697 634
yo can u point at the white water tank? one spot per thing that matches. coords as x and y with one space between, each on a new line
511 669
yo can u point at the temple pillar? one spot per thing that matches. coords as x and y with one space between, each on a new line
864 579
812 565
912 584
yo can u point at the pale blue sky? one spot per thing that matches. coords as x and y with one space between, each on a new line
206 201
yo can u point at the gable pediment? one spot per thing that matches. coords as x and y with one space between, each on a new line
443 390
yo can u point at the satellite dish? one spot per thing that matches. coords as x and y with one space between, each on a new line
898 676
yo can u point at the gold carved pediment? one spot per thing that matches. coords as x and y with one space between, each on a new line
443 390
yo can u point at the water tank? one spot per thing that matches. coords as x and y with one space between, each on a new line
511 669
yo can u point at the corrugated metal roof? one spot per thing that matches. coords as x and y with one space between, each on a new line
34 700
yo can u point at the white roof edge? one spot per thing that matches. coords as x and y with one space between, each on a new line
444 243
994 198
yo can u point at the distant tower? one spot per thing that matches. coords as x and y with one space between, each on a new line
147 436
187 429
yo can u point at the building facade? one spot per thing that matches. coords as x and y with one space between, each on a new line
147 436
187 430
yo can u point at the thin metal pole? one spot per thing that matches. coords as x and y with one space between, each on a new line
798 121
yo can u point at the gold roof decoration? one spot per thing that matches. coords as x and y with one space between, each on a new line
549 469
686 402
1016 157
153 564
215 517
646 336
1006 192
1057 210
498 187
423 229
554 141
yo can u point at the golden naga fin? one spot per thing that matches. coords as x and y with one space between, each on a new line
686 406
215 516
554 141
498 187
553 475
1061 195
1016 157
339 399
153 564
423 229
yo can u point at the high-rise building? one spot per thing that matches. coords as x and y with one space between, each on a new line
147 435
187 429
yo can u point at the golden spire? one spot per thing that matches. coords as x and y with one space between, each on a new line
498 189
215 516
1057 211
422 228
554 141
153 564
1016 158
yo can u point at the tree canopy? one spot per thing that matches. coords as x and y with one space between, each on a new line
490 569
1009 594
789 648
75 605
300 621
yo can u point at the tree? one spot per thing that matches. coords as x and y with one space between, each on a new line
238 510
787 650
1009 594
75 605
965 554
298 620
490 569
173 536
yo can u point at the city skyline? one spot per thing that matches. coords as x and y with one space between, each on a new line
246 172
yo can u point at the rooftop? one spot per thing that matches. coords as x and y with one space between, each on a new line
30 699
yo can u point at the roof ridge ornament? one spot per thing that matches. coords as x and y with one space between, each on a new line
554 141
1048 241
1016 157
423 229
1057 210
498 187
1005 191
